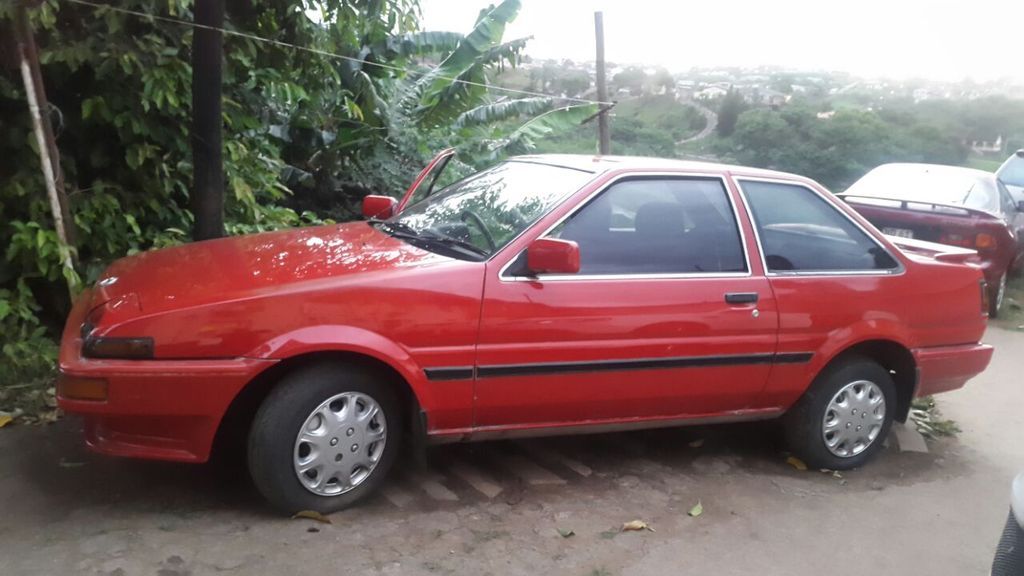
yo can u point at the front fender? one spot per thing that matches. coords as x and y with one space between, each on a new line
448 405
340 338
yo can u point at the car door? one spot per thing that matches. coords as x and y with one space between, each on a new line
665 318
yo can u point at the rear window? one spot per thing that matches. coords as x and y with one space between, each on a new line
926 183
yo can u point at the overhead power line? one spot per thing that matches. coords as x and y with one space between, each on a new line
139 14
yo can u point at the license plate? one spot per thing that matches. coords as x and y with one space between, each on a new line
898 232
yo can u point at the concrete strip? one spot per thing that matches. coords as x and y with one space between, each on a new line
529 471
396 495
436 490
574 465
908 438
477 479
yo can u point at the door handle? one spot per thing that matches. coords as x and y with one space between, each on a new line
741 297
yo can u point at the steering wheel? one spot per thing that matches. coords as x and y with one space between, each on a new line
517 218
470 215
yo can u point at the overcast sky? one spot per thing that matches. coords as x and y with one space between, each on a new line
938 39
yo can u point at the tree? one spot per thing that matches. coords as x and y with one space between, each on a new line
729 111
305 134
632 79
207 142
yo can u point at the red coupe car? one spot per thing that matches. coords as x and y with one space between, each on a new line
545 295
950 205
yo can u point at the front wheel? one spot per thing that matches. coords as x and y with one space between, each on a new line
324 438
842 420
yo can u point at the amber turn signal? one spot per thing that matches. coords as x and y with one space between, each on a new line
81 388
984 241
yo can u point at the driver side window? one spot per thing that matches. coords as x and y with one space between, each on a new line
657 226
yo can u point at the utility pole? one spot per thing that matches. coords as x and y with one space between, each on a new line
603 137
207 123
38 106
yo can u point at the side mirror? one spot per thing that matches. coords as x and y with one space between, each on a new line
553 256
380 207
1020 206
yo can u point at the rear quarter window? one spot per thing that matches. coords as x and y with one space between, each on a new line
802 232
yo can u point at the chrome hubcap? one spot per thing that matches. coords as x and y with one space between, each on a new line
340 444
853 418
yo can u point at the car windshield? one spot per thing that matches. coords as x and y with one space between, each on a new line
1012 172
926 183
477 216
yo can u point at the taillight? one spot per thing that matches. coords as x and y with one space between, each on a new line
985 242
984 297
953 239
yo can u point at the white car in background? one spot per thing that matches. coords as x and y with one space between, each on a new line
1012 175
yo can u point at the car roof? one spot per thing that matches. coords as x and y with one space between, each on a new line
598 164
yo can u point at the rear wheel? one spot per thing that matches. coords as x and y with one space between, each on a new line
324 438
843 418
995 300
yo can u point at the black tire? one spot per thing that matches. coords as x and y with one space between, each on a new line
804 422
272 437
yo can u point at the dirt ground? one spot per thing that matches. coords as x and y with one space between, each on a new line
497 508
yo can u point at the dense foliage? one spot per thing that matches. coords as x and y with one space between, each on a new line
307 133
649 125
836 147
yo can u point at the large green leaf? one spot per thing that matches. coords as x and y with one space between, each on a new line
522 139
503 110
453 78
421 44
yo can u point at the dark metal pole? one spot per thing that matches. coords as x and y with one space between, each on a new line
603 137
207 124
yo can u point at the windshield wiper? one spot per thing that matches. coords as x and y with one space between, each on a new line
406 232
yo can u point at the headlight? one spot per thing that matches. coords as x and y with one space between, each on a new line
123 348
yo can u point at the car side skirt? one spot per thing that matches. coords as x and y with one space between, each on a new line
599 426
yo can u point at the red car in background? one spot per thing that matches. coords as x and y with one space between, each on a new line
949 205
545 295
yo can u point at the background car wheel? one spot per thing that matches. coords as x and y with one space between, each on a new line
842 420
995 300
324 438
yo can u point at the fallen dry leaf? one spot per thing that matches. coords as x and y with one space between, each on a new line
697 443
312 515
696 510
796 463
5 419
636 525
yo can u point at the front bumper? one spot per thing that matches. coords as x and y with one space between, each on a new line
945 368
157 409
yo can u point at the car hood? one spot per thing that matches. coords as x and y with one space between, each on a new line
244 266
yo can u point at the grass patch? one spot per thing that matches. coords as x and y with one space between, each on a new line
662 112
984 163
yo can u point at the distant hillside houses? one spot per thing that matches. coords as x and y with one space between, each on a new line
994 147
